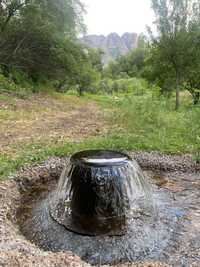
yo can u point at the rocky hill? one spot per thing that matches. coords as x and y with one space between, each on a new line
112 45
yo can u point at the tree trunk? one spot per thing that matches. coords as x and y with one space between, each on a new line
80 91
177 92
196 98
177 98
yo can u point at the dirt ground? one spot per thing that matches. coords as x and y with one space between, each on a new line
46 118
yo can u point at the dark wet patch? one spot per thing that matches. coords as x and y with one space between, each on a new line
177 226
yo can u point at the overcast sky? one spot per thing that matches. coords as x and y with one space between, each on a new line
106 16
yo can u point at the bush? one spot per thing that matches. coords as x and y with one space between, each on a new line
8 86
135 86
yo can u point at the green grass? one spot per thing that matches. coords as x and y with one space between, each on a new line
35 153
144 123
152 124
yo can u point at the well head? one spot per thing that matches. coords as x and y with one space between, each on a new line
100 158
93 195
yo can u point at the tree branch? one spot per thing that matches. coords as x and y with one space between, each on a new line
11 13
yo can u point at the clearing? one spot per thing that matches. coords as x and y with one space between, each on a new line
47 119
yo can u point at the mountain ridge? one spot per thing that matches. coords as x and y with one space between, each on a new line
113 45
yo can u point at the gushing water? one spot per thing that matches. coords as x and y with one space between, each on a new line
98 193
103 208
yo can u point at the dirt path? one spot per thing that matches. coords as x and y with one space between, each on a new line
45 118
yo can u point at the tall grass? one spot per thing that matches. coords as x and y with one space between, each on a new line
151 123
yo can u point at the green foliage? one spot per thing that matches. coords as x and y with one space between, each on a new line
134 86
8 86
83 69
104 86
137 122
150 123
38 44
192 81
175 47
85 78
130 65
197 157
38 38
95 57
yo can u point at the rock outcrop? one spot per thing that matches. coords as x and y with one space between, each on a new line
112 45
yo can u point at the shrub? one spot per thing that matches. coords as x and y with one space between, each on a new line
134 86
8 86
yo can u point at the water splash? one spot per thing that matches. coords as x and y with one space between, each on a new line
99 194
162 234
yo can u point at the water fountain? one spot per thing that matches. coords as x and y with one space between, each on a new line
104 209
98 192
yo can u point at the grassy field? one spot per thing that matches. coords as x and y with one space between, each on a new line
45 124
149 123
52 124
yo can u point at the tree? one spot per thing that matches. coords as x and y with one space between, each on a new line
9 10
172 45
38 37
192 83
95 57
85 78
130 65
86 71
